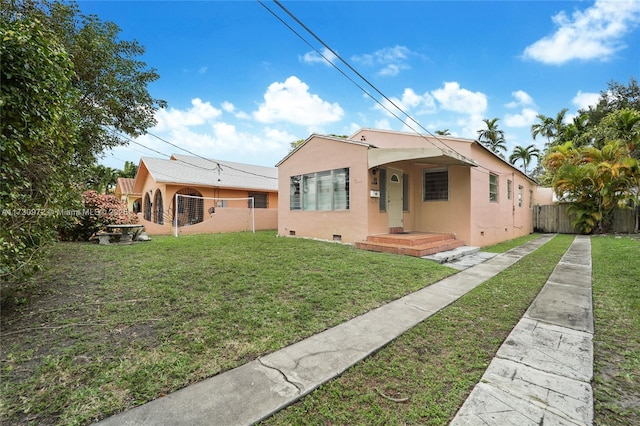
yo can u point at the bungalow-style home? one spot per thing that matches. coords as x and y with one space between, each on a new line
389 191
124 192
214 195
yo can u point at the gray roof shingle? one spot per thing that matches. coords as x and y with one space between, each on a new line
189 170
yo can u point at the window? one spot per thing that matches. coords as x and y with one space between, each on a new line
260 200
383 190
530 198
147 207
520 188
509 189
295 202
190 209
158 213
436 185
405 192
493 188
309 192
326 190
341 189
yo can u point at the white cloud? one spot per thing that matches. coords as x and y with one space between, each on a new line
312 57
410 102
392 60
585 100
291 101
454 98
383 124
228 106
593 34
203 70
522 99
199 113
525 119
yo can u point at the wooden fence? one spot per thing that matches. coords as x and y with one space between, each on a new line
554 219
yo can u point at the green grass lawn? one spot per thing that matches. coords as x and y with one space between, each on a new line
108 328
432 368
616 309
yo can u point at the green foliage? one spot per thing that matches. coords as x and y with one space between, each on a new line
524 154
38 141
70 89
593 161
492 137
595 181
97 211
129 170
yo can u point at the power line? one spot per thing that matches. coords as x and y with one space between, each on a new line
356 72
217 163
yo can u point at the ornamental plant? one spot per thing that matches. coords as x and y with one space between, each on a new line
98 211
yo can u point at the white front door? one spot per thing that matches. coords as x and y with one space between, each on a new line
394 198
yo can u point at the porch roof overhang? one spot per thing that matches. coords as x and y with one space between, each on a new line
379 156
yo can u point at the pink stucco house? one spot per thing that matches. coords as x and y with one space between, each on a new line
381 184
210 185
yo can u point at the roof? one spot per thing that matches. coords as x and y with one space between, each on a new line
197 171
315 135
125 186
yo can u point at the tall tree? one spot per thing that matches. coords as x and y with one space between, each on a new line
492 137
444 132
70 89
129 170
549 127
524 154
38 142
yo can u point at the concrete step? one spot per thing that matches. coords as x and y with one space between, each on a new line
410 239
416 250
452 255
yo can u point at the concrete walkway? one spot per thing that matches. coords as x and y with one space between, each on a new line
259 388
542 372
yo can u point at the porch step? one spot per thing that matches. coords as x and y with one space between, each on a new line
411 244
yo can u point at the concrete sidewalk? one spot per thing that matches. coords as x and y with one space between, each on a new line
259 388
542 372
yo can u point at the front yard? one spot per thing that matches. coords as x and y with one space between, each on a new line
108 328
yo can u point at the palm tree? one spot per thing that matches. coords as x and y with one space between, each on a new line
492 137
524 154
444 132
550 127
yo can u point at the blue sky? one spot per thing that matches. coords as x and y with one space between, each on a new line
241 86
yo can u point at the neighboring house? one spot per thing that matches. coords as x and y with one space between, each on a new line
124 192
386 182
158 181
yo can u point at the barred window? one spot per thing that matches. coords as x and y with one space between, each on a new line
436 185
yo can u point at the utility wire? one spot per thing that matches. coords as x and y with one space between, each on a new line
217 163
333 52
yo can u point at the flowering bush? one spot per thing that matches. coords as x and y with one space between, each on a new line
98 211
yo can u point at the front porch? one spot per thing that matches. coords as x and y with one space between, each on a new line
416 244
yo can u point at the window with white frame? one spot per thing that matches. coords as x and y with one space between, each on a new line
326 190
493 188
436 185
509 189
520 189
530 198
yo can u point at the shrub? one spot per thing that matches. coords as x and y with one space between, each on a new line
98 211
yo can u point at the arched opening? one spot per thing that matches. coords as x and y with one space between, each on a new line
147 207
137 206
190 208
158 213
